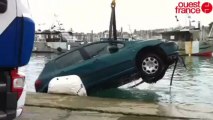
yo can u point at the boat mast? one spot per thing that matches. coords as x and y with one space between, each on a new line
211 32
112 26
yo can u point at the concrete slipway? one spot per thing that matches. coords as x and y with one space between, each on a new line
64 107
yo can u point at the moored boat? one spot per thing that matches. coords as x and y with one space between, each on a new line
191 41
50 42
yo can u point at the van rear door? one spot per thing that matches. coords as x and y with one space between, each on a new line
8 100
8 32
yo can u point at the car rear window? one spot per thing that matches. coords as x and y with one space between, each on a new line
69 59
97 49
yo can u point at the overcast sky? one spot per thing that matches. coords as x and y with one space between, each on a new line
87 15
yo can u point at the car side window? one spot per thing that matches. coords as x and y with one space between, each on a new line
69 59
3 6
97 49
100 49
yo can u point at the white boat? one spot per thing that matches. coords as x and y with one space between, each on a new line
48 42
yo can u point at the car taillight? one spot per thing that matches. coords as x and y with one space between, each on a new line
18 82
38 84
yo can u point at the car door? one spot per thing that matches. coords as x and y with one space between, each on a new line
78 63
104 65
89 69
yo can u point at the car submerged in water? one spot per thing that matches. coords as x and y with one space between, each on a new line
110 64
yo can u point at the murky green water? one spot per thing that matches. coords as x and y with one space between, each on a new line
191 86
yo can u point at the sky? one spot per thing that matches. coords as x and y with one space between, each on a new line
88 15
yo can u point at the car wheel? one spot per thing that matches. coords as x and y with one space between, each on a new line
151 67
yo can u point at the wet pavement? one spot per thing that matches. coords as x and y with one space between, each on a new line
38 113
113 108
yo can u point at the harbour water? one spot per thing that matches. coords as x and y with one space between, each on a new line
190 86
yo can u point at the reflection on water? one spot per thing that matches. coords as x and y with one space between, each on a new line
33 69
190 86
126 93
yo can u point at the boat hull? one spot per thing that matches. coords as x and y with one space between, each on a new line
196 48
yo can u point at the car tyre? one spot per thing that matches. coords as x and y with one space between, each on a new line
151 67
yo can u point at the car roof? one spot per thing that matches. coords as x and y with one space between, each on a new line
82 46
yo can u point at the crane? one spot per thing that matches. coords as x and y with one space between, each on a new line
112 26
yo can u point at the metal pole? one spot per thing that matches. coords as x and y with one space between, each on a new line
173 72
211 32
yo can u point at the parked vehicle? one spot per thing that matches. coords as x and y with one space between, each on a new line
16 43
12 93
108 64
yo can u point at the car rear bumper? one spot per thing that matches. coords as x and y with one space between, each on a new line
19 112
8 106
3 115
21 102
9 115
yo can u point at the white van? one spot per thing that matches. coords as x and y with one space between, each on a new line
16 42
12 93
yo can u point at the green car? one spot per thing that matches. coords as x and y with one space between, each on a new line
110 64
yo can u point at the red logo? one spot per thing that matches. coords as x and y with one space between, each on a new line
193 7
206 7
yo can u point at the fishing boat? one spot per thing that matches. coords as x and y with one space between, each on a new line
191 40
55 41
